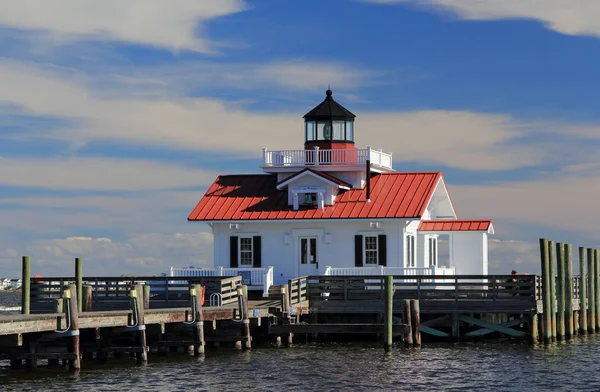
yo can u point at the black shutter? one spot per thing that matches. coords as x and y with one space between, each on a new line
358 251
233 251
382 250
256 251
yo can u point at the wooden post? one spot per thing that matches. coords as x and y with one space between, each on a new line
388 313
71 295
79 282
246 317
553 306
455 327
88 292
533 328
560 290
591 290
583 305
25 287
407 320
138 293
570 326
546 290
146 296
196 293
416 321
597 286
285 308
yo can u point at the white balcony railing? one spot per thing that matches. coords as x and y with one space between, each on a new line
250 276
318 157
396 271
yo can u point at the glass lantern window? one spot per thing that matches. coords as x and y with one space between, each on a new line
338 130
324 130
310 131
350 131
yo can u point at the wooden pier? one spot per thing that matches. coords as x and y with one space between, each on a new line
91 318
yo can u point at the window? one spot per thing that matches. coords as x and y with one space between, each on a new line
410 251
309 198
308 250
433 254
310 131
338 130
349 130
371 250
246 251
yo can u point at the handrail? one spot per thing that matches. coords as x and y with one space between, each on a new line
268 281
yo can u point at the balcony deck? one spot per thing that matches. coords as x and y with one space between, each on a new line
380 161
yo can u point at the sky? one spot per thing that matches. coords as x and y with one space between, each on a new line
116 116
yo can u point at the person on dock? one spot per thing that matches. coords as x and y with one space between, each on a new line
513 280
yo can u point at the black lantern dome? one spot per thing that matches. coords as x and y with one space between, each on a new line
329 125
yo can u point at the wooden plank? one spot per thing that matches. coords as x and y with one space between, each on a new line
432 331
494 327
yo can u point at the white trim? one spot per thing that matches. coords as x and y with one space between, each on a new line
316 176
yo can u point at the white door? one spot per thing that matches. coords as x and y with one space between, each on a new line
309 265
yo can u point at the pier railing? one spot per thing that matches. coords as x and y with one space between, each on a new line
437 294
257 277
113 293
298 289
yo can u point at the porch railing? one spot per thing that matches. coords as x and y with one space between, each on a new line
382 271
250 276
318 157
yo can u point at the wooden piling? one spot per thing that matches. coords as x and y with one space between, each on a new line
146 296
560 291
25 286
591 290
546 293
597 286
533 328
416 321
583 296
71 295
79 282
285 309
138 293
553 305
246 317
388 313
408 341
199 320
570 324
87 298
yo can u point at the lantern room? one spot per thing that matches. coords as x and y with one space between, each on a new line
329 126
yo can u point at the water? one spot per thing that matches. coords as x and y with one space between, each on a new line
499 365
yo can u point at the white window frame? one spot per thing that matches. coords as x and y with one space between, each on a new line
433 251
410 251
365 250
240 251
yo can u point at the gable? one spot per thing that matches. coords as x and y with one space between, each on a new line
313 178
440 205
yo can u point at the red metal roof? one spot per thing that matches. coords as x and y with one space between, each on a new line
325 176
250 197
455 225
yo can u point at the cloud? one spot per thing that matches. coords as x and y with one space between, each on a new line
173 25
460 139
99 174
143 254
562 16
506 255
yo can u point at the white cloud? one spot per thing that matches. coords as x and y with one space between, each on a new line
167 24
99 174
459 139
143 254
507 255
563 16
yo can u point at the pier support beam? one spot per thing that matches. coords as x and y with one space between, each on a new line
87 298
553 305
79 282
560 290
591 290
71 295
416 321
407 320
388 313
199 319
246 317
570 325
597 286
546 293
25 287
583 305
137 293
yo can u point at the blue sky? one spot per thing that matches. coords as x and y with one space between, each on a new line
115 117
